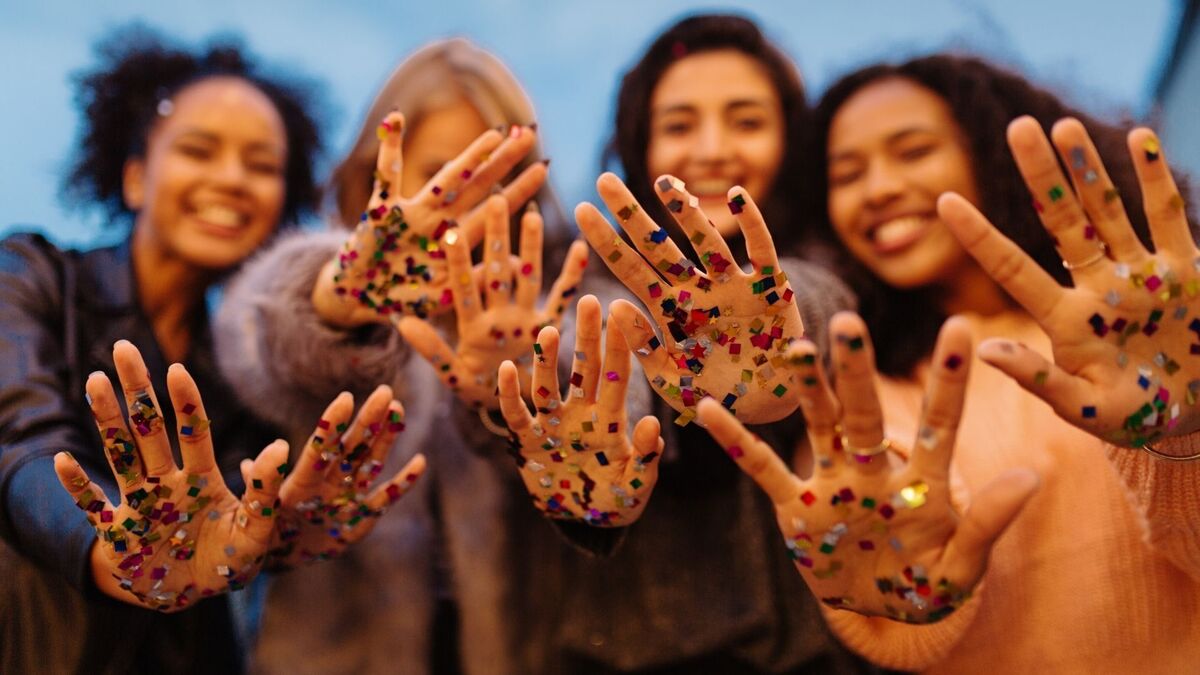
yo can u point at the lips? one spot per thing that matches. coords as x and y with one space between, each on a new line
710 187
899 233
220 219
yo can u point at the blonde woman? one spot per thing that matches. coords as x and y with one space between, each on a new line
308 317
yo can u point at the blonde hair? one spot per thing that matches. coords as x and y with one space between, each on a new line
438 75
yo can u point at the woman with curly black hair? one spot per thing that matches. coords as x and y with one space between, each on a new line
204 157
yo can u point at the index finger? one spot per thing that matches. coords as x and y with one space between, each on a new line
495 165
947 385
145 413
753 456
443 189
625 263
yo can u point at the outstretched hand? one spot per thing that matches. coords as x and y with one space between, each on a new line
503 323
871 533
576 456
177 534
327 503
722 330
1126 336
393 264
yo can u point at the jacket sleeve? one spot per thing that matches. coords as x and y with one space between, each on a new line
39 417
286 364
1166 497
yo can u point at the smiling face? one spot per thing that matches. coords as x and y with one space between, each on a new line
716 121
210 188
893 148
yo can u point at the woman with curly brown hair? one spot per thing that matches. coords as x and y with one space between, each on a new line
1061 537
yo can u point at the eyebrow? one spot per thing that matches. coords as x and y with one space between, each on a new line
210 137
688 107
891 138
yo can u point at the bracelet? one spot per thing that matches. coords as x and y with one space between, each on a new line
1158 454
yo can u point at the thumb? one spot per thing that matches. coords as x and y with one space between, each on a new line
245 467
260 503
991 511
425 340
1062 390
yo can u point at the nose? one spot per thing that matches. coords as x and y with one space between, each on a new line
229 172
883 184
712 143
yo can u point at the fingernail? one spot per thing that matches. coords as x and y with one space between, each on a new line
532 207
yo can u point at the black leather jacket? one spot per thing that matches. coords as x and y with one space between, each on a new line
60 313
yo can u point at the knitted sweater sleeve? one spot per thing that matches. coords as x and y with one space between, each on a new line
1166 497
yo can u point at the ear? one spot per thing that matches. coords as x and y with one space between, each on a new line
133 186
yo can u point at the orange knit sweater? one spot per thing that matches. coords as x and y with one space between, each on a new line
1099 574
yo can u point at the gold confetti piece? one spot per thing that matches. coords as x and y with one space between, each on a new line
914 495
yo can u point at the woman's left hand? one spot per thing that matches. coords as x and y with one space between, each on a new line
327 503
506 325
1126 336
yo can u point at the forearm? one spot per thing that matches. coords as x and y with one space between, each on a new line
283 358
902 646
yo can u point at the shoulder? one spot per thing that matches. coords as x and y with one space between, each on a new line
30 263
816 282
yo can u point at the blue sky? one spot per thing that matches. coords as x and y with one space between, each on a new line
1103 54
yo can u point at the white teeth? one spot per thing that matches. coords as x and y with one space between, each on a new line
709 186
219 215
896 230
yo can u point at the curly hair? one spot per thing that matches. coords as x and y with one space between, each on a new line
693 35
983 98
119 99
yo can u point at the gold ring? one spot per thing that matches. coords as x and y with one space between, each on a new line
1101 251
865 455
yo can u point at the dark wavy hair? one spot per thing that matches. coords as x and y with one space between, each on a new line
119 99
693 35
983 98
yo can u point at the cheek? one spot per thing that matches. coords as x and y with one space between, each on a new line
763 155
665 155
271 192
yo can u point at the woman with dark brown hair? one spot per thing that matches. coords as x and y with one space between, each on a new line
710 114
1061 537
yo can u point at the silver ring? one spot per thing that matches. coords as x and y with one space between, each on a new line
1101 252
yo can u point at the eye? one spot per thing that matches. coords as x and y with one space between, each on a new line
915 152
675 128
195 150
266 167
844 175
749 123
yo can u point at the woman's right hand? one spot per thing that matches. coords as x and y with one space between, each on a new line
868 532
178 534
394 265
